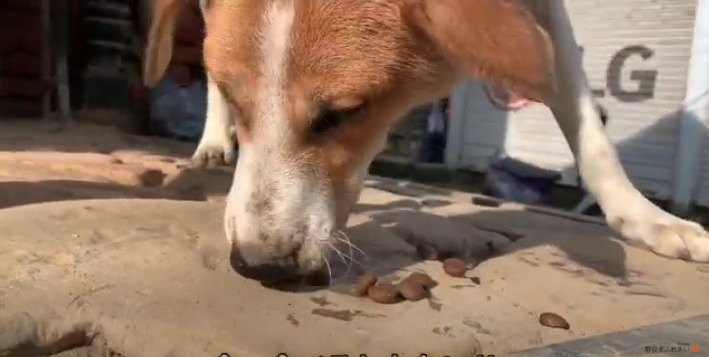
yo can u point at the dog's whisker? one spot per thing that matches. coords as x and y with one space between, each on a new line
349 257
345 239
333 246
352 260
355 260
351 250
340 254
327 264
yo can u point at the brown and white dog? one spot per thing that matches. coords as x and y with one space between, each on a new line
312 87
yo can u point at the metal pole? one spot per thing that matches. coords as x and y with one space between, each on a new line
46 55
62 40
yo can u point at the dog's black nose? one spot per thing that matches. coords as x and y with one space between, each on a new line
266 273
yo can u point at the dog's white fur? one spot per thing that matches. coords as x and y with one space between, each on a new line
216 145
627 211
265 165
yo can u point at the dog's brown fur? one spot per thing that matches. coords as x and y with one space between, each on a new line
369 61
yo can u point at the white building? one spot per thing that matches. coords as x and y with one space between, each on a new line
648 65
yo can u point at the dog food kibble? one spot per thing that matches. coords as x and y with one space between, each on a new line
455 267
384 294
412 290
364 282
423 280
553 320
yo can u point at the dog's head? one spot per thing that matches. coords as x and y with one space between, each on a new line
314 86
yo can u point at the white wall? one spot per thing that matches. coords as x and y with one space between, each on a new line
695 122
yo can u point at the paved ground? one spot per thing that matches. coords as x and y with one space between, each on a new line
666 339
111 245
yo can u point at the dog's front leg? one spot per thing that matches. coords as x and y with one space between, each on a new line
216 146
627 211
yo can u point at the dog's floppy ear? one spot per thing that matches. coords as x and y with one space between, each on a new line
497 41
158 51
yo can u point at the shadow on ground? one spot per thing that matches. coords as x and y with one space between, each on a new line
531 225
188 185
589 246
30 135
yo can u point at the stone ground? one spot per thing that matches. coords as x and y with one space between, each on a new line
112 245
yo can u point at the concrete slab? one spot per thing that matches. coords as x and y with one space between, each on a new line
150 278
667 339
143 278
125 276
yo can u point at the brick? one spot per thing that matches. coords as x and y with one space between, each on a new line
25 88
33 5
20 31
12 35
9 41
31 42
22 64
19 19
19 39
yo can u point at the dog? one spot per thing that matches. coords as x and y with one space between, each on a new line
312 87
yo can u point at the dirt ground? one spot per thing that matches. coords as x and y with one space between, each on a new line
112 245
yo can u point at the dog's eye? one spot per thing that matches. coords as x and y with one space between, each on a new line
331 118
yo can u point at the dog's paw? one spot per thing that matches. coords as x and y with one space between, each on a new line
214 153
667 236
683 240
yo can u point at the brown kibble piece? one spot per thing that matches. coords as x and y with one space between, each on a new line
455 267
553 320
384 294
412 290
152 178
364 282
486 201
423 280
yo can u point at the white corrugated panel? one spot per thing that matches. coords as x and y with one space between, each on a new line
640 91
703 194
698 100
483 131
